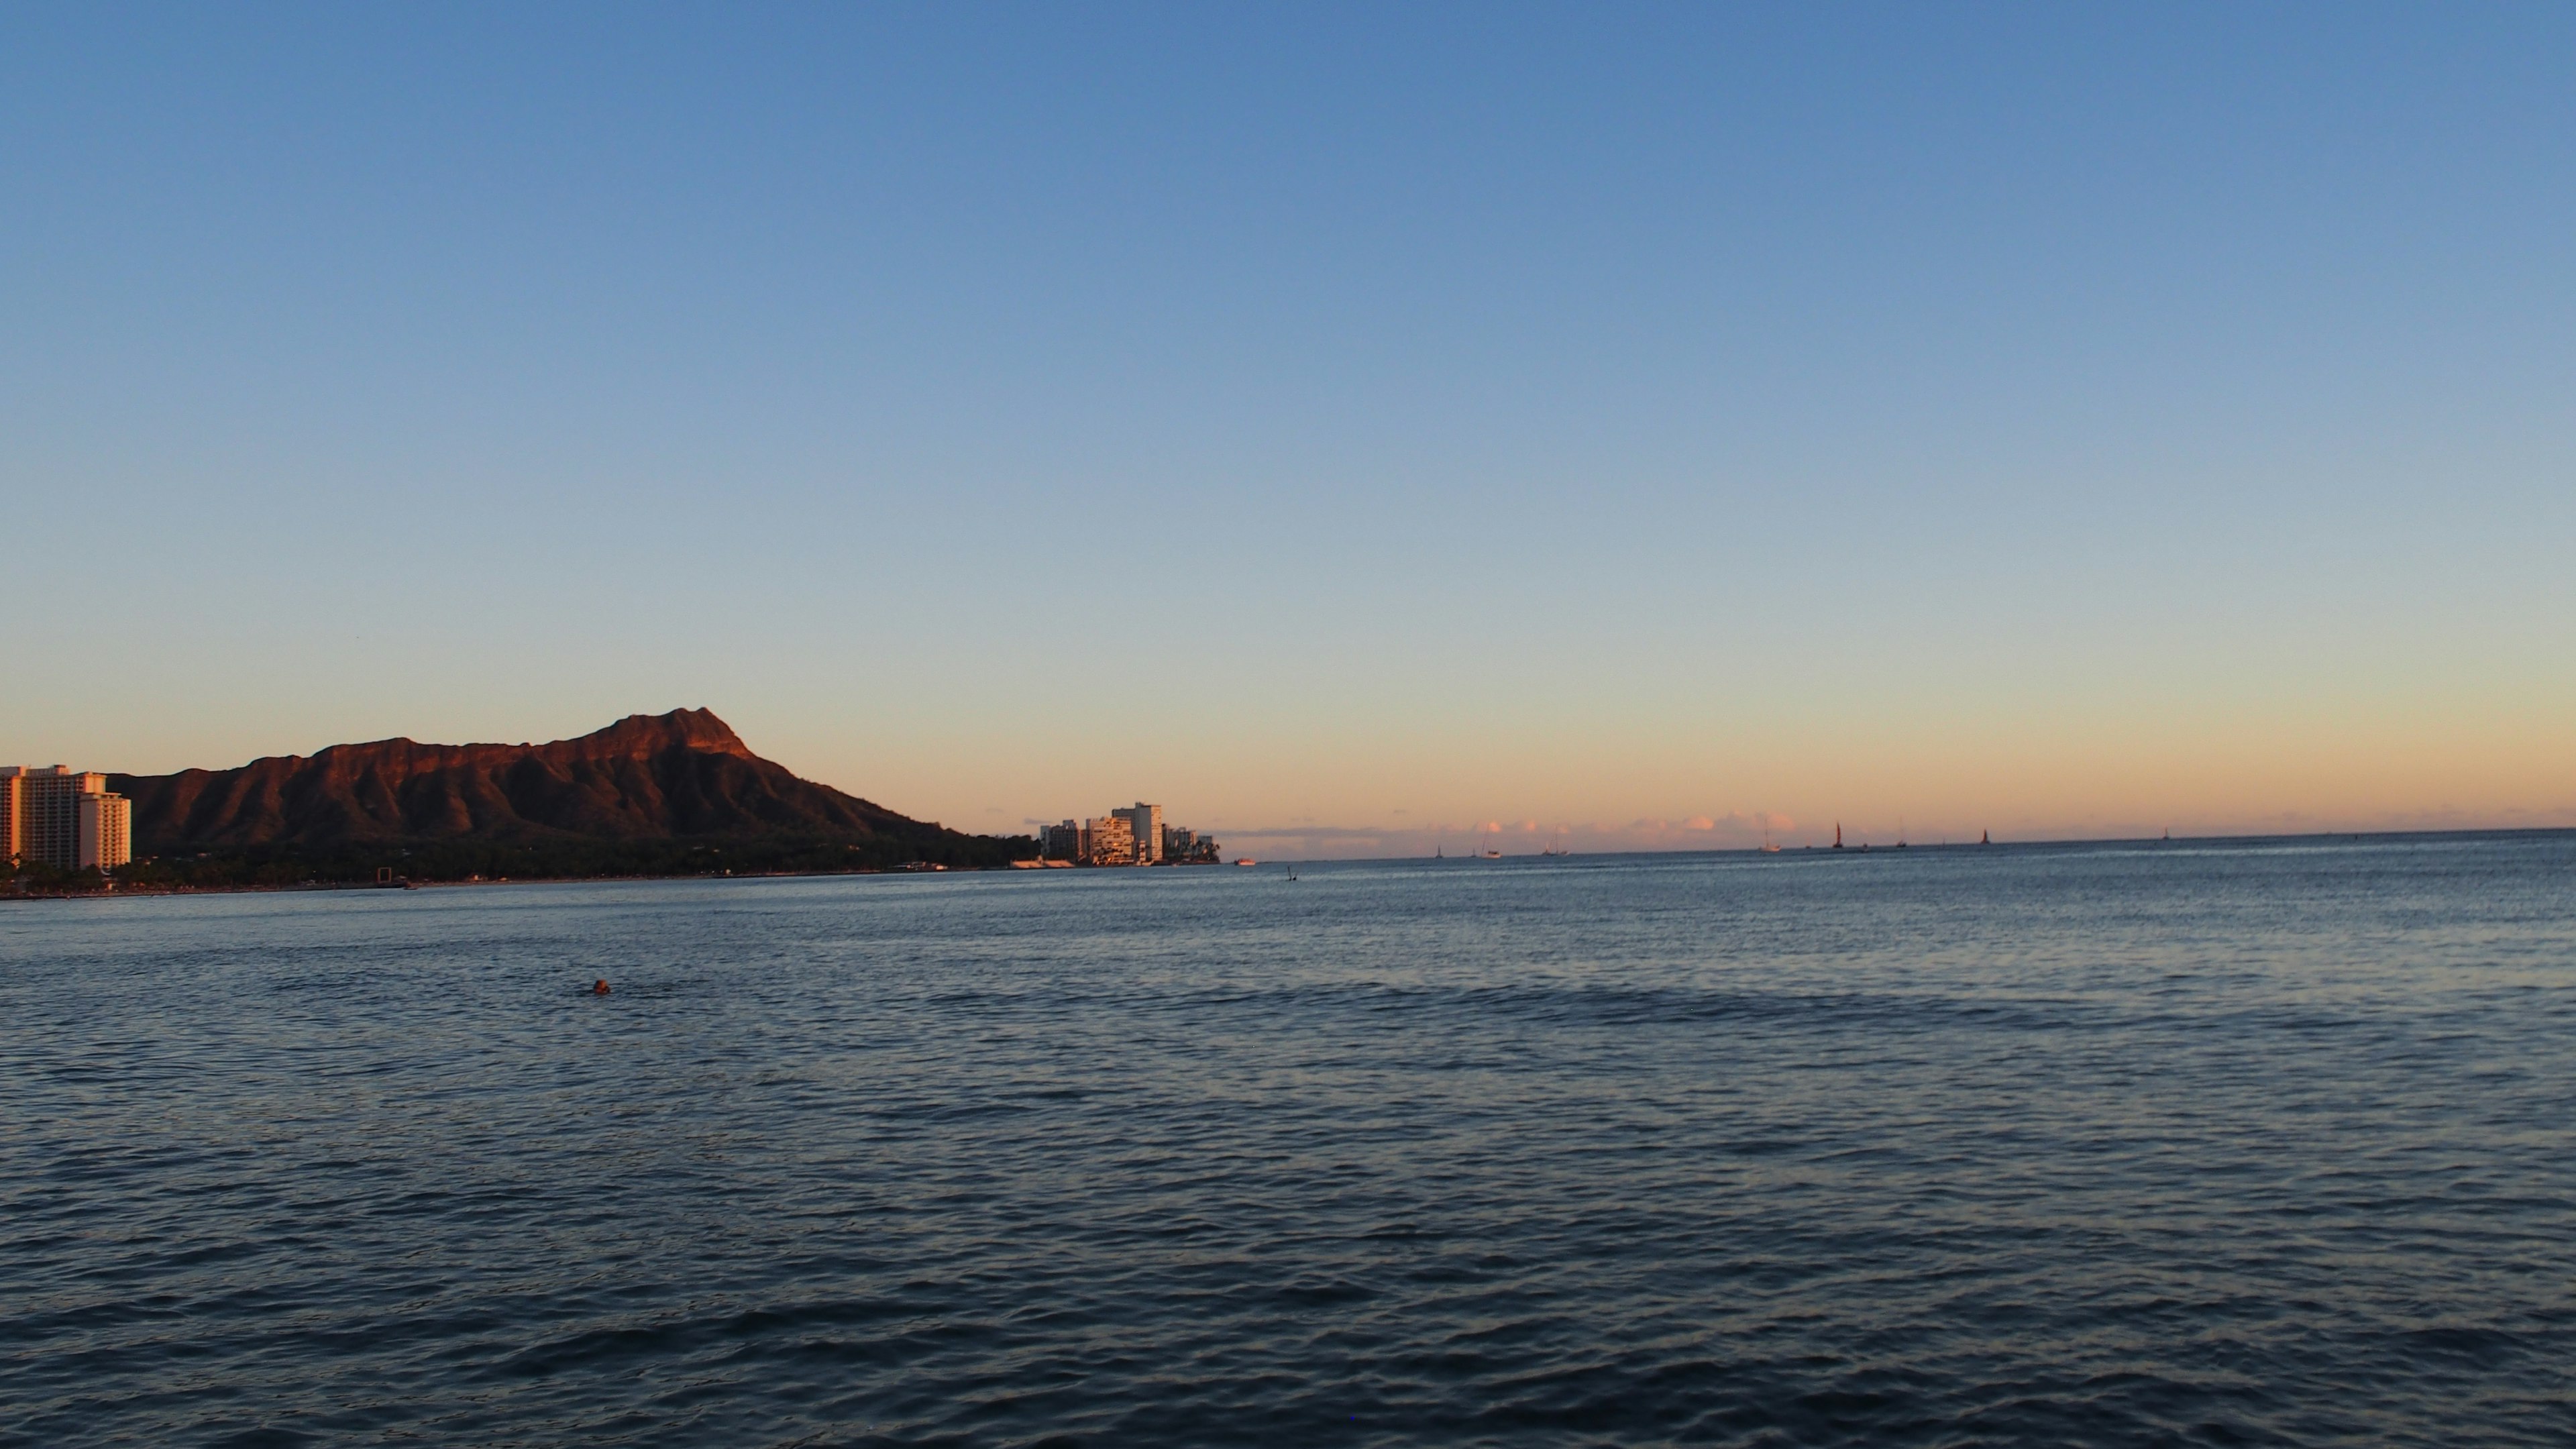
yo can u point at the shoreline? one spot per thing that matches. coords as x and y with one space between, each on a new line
322 886
125 892
1808 852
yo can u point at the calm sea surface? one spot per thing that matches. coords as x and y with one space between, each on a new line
2182 1144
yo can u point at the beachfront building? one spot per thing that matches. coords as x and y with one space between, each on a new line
104 836
65 818
1109 840
1135 835
1145 827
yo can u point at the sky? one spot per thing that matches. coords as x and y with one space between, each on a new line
1360 430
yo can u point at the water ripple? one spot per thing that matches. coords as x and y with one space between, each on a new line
2218 1145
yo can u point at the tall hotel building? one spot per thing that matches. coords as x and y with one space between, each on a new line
1145 827
1109 840
63 819
1134 836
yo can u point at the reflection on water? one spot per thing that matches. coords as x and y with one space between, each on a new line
2168 1145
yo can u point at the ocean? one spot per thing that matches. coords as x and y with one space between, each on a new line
2157 1144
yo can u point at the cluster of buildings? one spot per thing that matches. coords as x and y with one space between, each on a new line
57 817
1134 836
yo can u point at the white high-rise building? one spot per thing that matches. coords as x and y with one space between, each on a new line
64 818
1145 822
106 831
1109 840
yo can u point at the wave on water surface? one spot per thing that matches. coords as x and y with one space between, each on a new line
2010 1147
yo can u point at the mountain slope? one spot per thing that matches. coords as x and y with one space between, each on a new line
648 777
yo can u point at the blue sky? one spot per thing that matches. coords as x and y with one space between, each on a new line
1377 423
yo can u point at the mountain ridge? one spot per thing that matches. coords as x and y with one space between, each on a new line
680 775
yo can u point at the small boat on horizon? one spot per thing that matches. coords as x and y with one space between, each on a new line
1247 860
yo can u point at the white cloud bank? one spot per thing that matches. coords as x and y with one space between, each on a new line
1734 830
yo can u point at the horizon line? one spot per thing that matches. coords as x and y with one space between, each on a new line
1889 849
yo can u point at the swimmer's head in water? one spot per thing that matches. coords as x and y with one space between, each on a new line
599 987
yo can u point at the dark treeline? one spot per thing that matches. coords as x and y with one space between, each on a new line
559 858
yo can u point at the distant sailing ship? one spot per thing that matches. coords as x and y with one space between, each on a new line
1838 835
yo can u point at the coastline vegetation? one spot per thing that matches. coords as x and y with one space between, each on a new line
556 858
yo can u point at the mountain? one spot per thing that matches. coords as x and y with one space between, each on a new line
678 776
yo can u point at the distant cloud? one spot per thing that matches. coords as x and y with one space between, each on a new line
1733 825
1746 830
1733 830
1291 832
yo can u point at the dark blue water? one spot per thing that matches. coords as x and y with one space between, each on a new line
2167 1145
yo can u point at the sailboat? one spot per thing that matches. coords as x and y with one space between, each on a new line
1984 839
1838 835
1767 847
